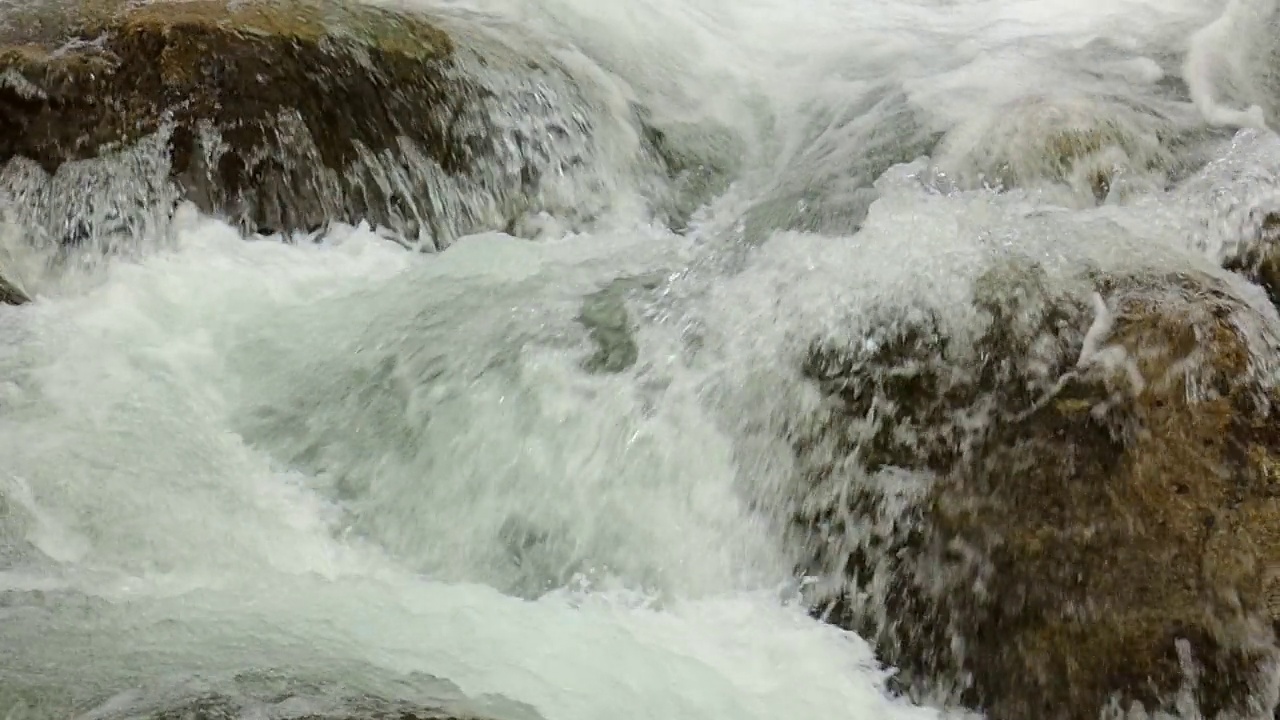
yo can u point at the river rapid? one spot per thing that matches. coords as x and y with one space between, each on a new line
535 475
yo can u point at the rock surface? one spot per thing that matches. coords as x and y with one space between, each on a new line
1079 505
223 708
280 115
1082 144
10 294
1259 261
272 695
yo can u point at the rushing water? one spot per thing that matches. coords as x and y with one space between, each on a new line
339 470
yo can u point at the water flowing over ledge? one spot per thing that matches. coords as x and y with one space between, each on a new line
825 359
285 116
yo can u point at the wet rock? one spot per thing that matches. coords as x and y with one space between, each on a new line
277 695
700 161
1077 506
1084 145
280 116
223 708
1259 260
11 294
288 707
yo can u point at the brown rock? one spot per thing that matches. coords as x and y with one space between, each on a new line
1258 259
1062 511
280 115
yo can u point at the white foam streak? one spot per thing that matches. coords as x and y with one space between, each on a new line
1219 54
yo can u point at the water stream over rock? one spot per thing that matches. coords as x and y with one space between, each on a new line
570 360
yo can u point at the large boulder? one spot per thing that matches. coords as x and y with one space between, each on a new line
279 115
1075 506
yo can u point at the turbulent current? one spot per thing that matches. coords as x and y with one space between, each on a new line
537 475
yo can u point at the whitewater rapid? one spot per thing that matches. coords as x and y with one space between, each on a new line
335 469
158 538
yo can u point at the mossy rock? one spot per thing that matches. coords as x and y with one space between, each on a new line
1061 512
280 115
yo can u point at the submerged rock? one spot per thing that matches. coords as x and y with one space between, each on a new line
287 707
612 331
276 694
1085 145
279 115
1076 506
223 708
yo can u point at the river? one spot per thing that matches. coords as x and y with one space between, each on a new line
337 470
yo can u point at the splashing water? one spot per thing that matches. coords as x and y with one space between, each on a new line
336 470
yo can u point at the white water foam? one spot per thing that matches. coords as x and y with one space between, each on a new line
1220 58
370 468
197 552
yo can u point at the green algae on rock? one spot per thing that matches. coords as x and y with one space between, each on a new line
1078 508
